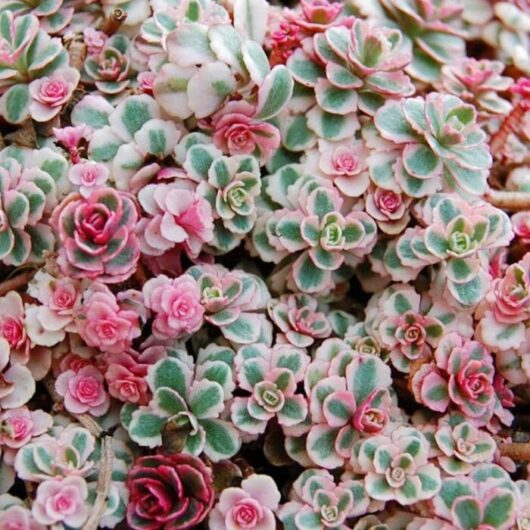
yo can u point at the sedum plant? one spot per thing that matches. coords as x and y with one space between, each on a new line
317 501
28 53
188 403
442 145
433 29
264 264
396 467
311 225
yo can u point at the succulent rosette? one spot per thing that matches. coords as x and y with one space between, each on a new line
109 70
28 53
347 405
462 446
409 327
233 301
271 376
426 24
177 216
317 501
486 498
478 83
26 197
297 316
264 264
462 375
344 61
251 506
189 405
96 236
397 467
168 492
457 234
504 311
443 147
312 226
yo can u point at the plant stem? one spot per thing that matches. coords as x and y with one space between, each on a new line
103 485
113 23
519 452
16 282
514 201
510 124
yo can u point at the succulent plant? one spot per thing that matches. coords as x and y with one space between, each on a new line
486 498
96 236
461 375
299 319
408 326
53 16
181 480
478 83
186 407
27 53
234 302
72 451
318 502
362 66
271 376
344 406
109 70
458 236
462 446
434 30
232 187
27 195
396 467
443 147
311 226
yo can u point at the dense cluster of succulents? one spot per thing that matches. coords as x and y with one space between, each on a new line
264 267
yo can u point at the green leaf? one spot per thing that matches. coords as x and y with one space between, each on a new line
206 399
335 100
499 509
274 93
188 45
256 61
245 330
146 427
308 277
250 18
366 373
168 401
391 123
222 439
225 42
170 373
420 161
14 106
305 71
468 513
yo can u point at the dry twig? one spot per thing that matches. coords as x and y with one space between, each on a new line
103 485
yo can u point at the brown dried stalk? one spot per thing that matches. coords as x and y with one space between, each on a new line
513 201
77 52
113 23
103 485
85 420
511 124
520 452
21 280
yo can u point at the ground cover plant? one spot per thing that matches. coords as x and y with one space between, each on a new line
265 265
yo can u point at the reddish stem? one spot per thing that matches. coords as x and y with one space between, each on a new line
520 452
21 280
